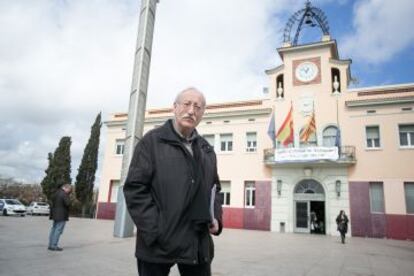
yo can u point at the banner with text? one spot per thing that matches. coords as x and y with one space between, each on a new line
306 154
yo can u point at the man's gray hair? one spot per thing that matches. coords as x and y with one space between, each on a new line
67 186
191 88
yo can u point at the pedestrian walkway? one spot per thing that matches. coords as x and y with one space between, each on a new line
90 249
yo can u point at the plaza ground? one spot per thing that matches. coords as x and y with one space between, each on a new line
90 249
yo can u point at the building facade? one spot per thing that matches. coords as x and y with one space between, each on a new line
330 148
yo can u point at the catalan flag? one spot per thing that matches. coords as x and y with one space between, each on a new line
285 133
308 130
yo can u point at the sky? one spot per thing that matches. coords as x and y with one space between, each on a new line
64 61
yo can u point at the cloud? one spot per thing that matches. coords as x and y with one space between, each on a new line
221 47
60 67
381 30
64 61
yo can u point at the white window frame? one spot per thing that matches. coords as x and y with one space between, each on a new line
226 191
227 139
119 143
208 138
249 194
251 141
115 184
373 146
325 137
406 184
410 143
370 197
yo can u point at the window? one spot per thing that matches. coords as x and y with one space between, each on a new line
210 139
114 190
251 141
226 142
406 135
329 136
373 136
119 146
409 196
225 190
249 194
376 193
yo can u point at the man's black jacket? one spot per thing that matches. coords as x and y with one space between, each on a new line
60 206
166 191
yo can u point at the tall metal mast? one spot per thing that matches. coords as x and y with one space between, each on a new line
124 226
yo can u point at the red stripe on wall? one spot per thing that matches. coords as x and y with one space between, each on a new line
400 227
397 227
410 227
257 218
233 217
106 210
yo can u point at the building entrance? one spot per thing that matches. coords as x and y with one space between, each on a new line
309 206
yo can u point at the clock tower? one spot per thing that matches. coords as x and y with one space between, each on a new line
307 92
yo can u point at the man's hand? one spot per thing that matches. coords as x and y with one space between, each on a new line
214 227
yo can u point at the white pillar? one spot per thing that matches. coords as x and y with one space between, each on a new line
124 226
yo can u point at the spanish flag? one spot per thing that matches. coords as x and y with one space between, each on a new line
285 133
308 130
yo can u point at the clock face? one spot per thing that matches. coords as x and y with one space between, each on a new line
306 71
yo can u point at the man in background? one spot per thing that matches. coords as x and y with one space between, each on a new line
59 213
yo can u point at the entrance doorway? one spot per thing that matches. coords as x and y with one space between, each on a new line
317 217
309 206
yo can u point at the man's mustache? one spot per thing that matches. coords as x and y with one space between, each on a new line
188 118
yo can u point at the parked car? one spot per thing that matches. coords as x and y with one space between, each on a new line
38 208
12 207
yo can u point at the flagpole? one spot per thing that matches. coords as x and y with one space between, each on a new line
338 132
293 128
337 113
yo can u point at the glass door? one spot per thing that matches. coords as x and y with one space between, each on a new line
302 216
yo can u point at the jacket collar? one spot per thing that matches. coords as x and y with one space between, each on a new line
168 133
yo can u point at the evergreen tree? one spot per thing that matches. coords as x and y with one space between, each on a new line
47 180
58 171
87 168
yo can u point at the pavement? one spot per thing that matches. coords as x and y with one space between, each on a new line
90 249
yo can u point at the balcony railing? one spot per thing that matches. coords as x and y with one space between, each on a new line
332 155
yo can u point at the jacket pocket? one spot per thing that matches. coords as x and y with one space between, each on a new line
175 240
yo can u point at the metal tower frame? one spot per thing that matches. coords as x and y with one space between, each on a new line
308 15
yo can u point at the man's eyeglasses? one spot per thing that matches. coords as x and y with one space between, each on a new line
188 105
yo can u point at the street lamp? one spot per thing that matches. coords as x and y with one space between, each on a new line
338 188
279 187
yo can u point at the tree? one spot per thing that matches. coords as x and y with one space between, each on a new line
47 180
87 168
59 168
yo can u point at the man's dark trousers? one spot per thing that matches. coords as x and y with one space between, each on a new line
158 269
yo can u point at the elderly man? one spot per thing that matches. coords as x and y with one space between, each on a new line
59 213
172 193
